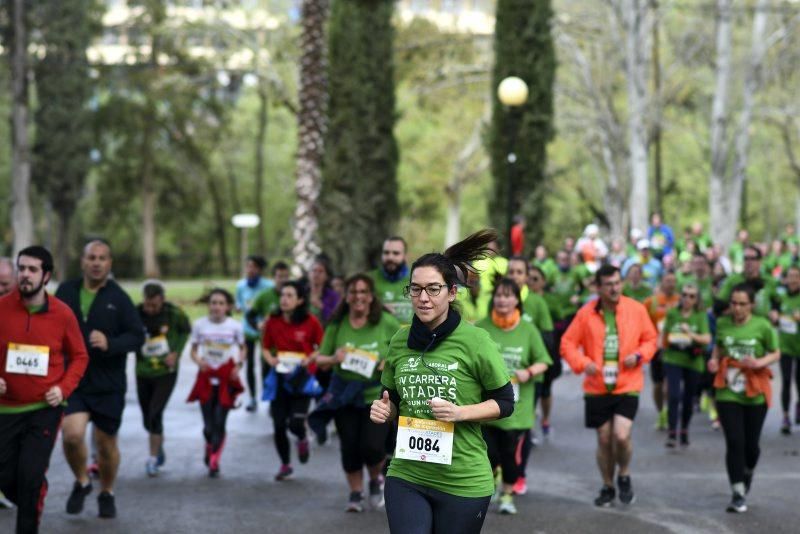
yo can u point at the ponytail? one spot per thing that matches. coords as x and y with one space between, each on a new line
456 261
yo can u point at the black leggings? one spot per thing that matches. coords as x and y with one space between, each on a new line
742 426
288 414
154 393
681 388
505 449
415 509
362 441
214 419
787 362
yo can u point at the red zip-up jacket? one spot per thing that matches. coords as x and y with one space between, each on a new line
54 326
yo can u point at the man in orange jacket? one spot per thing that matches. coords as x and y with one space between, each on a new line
609 340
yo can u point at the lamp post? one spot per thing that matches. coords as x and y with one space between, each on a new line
513 94
243 221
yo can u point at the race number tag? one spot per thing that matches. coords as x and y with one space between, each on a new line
736 380
515 386
156 347
288 362
610 371
216 353
360 362
680 340
787 325
27 359
424 440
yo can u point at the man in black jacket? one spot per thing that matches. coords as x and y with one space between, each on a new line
111 328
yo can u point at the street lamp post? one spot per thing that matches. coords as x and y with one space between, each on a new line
512 93
243 221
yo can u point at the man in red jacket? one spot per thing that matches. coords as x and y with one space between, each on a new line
42 359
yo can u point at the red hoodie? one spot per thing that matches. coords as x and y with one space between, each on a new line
54 326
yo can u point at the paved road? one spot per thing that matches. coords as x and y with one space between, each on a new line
681 491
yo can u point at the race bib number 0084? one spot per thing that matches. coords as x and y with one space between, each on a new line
424 440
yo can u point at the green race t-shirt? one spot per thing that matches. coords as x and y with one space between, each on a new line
680 349
391 294
520 348
564 286
639 293
172 325
266 303
610 351
86 300
373 339
754 338
788 332
764 296
534 310
460 370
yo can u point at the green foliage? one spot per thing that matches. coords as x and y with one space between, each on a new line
524 48
358 204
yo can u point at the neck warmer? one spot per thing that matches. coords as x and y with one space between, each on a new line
253 282
506 323
420 338
399 274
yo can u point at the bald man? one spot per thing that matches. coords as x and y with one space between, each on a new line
111 328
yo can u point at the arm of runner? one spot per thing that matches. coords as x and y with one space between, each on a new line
2 387
570 351
132 338
384 409
195 355
713 361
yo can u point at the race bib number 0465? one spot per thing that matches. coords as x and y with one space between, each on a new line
27 359
425 440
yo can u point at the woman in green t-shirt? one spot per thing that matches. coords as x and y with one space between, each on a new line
786 316
355 344
746 345
684 338
521 346
442 378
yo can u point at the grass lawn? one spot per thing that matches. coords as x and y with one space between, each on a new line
184 293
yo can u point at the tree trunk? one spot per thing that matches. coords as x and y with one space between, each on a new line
635 63
63 245
219 222
149 247
718 198
261 140
658 113
461 175
311 129
21 214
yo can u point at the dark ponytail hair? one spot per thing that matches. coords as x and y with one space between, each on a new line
459 257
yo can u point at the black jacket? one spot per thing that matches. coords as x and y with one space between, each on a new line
113 314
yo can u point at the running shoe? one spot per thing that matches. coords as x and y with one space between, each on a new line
5 503
672 440
507 505
534 439
76 498
93 470
161 459
520 486
284 472
355 502
376 494
606 497
106 508
684 438
151 467
786 426
712 413
545 430
661 424
251 406
303 450
705 402
626 495
213 466
715 424
737 505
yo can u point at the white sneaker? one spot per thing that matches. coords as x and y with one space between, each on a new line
376 494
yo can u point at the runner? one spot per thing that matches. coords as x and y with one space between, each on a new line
322 298
786 314
355 344
685 336
526 358
391 277
290 338
764 287
609 340
442 377
268 301
247 289
166 329
7 284
663 300
218 348
634 286
42 359
746 346
111 329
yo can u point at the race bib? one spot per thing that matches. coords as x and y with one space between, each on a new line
787 325
360 362
515 386
424 440
156 347
610 371
736 380
217 353
27 359
288 362
680 340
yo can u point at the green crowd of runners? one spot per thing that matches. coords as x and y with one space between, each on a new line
436 374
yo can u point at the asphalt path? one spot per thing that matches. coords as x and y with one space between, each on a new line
677 491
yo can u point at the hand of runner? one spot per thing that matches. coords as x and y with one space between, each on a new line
54 396
749 362
98 340
270 359
713 365
630 361
340 355
445 410
305 362
773 316
381 409
522 375
2 387
171 360
235 373
590 369
203 366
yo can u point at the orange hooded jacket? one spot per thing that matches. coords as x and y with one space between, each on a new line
583 341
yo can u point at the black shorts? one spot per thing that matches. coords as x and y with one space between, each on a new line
104 409
657 368
602 408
